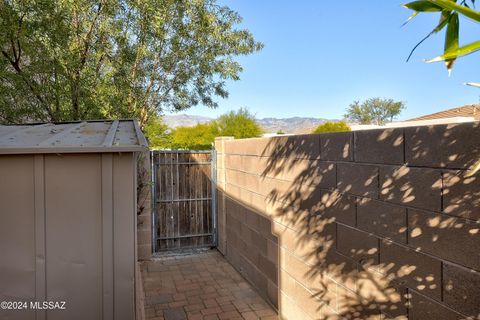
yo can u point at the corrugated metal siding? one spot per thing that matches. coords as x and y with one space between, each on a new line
124 231
67 233
17 233
73 210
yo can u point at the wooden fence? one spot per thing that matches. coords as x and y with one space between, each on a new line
183 199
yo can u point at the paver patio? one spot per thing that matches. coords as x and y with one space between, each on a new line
199 285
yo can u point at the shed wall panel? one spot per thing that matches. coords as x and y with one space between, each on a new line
73 235
107 234
124 204
67 233
40 281
17 233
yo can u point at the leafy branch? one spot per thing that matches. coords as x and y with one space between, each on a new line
449 11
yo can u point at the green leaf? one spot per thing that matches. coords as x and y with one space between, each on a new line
444 18
451 39
450 5
443 22
423 6
410 18
462 51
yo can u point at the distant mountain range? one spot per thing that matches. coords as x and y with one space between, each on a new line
270 125
184 120
291 125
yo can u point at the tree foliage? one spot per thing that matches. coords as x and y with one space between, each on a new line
239 124
157 133
330 126
449 12
374 111
199 137
70 60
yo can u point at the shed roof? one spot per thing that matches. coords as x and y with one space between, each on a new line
73 137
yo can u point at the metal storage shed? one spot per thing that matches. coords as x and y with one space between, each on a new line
68 218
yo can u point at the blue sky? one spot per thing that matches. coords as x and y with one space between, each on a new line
320 56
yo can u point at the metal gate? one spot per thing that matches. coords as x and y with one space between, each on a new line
184 200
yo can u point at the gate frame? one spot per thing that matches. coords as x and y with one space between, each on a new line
213 168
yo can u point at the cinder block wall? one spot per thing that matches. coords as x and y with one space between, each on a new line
361 225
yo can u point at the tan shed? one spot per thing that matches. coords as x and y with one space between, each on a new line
68 219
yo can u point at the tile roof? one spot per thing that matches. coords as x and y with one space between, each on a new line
470 110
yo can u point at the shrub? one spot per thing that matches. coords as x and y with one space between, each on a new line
240 124
330 126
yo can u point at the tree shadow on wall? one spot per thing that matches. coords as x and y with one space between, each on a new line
366 236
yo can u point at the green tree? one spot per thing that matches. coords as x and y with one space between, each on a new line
199 137
70 60
449 12
330 126
158 133
239 124
374 111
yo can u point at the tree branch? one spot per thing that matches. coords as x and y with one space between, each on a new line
16 67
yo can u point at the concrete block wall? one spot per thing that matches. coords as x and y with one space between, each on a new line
144 207
360 225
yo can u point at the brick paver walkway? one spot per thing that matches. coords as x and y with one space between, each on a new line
199 286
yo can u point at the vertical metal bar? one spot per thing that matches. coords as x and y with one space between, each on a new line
164 190
177 205
194 203
214 195
153 196
195 186
172 222
161 192
163 224
188 187
208 205
202 209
